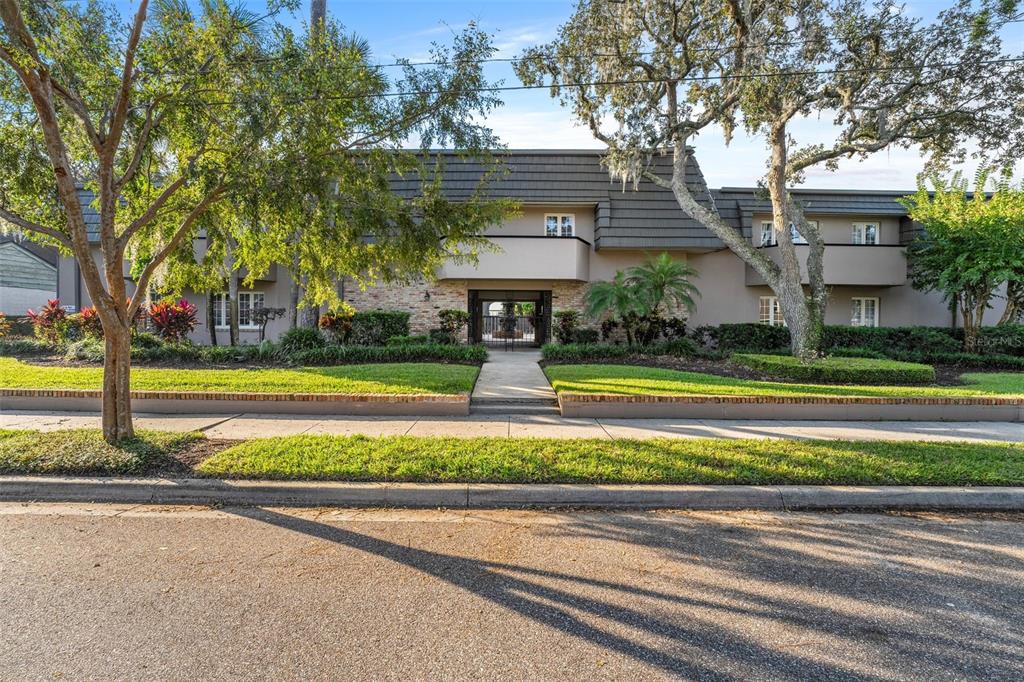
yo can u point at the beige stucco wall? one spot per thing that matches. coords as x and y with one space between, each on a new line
838 229
531 221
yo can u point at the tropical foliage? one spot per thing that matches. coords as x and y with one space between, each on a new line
638 299
972 244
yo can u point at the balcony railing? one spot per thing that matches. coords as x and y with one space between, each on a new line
879 265
527 257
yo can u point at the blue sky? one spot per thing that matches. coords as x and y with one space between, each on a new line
530 119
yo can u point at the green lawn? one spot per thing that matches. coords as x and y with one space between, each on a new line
633 380
361 379
704 461
83 451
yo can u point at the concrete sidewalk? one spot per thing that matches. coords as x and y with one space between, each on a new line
513 375
243 426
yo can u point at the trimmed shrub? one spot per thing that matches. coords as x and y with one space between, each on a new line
375 327
89 349
5 326
838 370
424 352
173 320
972 360
596 352
452 322
587 335
300 339
406 340
567 324
856 353
441 336
17 347
1007 339
337 324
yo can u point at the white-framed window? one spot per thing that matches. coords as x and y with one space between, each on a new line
866 233
560 225
865 312
768 233
769 311
247 301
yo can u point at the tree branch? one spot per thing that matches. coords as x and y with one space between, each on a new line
179 235
25 224
120 112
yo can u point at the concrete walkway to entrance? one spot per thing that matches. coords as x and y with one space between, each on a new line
243 426
513 375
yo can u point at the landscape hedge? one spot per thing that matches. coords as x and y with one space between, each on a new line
759 338
594 352
838 370
420 352
375 327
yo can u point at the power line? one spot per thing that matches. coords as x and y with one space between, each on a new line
513 60
638 81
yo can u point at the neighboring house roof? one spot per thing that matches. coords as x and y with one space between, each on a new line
21 268
645 217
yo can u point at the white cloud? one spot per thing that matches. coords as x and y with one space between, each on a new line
540 130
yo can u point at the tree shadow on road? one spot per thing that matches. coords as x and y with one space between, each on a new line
690 629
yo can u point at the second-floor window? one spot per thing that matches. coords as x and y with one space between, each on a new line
560 225
865 233
247 302
768 233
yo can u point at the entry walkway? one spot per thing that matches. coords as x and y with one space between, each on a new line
513 375
244 426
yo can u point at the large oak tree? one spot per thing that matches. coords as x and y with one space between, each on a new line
648 76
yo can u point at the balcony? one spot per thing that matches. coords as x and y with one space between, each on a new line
527 257
875 265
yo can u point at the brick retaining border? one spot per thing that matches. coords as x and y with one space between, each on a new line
830 408
192 402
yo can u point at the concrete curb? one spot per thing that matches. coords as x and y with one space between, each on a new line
481 496
826 408
177 402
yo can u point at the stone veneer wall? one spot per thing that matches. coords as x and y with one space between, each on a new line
423 313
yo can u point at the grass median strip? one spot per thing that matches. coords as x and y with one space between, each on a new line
697 461
635 380
390 379
80 452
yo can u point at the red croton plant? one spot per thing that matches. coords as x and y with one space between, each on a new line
173 320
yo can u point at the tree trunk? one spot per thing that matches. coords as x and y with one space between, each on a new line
232 308
804 314
211 318
117 407
293 294
1014 303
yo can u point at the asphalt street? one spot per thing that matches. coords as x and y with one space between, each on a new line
92 592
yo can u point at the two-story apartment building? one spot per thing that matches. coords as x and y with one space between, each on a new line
577 226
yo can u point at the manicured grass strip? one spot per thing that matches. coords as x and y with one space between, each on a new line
410 378
703 461
839 370
633 380
83 451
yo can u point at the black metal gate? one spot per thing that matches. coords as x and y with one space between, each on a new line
509 331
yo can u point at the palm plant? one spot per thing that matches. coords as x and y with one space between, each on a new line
662 281
617 298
